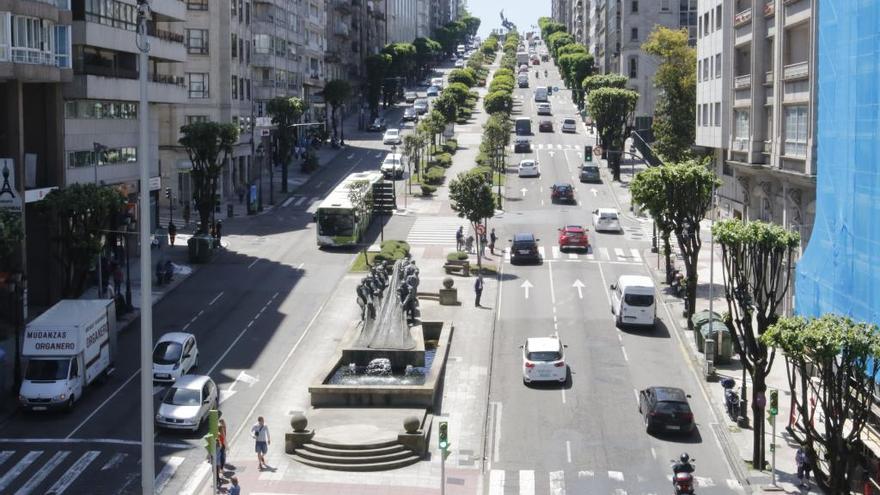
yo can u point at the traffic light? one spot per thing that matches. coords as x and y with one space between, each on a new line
444 436
588 153
774 402
210 444
168 192
214 422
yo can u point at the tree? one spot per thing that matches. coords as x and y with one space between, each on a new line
471 25
434 124
459 93
496 136
576 67
471 197
676 78
336 93
377 66
426 50
648 190
208 144
843 355
446 105
558 40
756 258
11 235
79 216
401 67
465 76
285 112
359 194
549 27
498 101
610 109
597 81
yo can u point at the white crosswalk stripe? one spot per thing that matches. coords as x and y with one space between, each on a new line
542 252
619 253
4 455
496 482
64 482
19 468
41 475
526 482
636 255
555 251
435 230
195 479
603 253
704 482
167 472
557 482
615 475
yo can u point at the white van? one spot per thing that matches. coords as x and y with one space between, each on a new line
541 93
633 302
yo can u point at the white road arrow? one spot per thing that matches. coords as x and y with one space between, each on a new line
523 191
551 153
527 285
580 288
594 191
242 377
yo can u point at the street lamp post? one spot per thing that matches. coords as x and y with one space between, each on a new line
16 286
394 177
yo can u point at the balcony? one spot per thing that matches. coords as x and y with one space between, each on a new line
742 18
744 81
163 34
168 79
107 71
768 77
30 56
342 30
770 8
343 6
800 70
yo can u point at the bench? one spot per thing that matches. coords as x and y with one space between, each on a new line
463 266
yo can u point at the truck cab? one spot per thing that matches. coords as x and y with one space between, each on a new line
51 383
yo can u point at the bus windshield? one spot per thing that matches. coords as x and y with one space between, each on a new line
335 223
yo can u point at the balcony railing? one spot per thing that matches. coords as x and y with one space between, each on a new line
60 4
105 71
342 30
168 79
32 56
163 34
800 70
742 18
743 81
343 6
768 77
769 8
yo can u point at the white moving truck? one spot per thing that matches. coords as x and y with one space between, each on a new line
67 348
522 58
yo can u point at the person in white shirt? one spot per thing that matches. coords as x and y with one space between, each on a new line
260 433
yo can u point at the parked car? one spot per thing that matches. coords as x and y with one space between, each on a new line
432 91
607 219
410 96
522 145
437 81
377 125
544 109
590 173
392 166
186 403
459 62
528 168
569 125
536 61
573 236
666 408
409 114
391 136
524 247
420 105
174 355
562 191
544 360
545 125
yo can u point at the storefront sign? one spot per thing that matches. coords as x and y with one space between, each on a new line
155 183
9 197
34 195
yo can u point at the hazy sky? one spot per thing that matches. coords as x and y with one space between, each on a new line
523 13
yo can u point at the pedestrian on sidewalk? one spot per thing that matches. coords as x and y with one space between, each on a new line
459 238
478 290
186 213
219 231
260 433
117 277
172 232
803 466
234 489
492 239
483 243
221 436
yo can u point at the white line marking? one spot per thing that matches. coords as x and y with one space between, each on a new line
526 482
557 482
496 482
253 263
19 468
109 441
192 484
603 252
73 473
653 453
636 393
349 157
585 474
604 284
300 201
287 202
167 472
704 482
568 450
555 251
496 433
619 253
615 475
234 342
114 461
623 350
5 455
215 299
552 292
734 484
44 471
636 255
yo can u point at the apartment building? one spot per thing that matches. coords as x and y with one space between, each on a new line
312 50
423 19
341 61
35 62
217 86
401 20
756 111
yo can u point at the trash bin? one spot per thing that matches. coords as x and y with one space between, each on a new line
229 211
200 248
717 331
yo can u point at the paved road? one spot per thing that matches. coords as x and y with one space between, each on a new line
586 435
247 308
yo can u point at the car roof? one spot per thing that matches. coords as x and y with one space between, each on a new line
606 210
640 281
393 156
392 129
524 236
527 161
561 184
567 121
669 394
543 344
191 382
180 337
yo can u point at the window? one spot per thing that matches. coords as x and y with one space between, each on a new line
796 131
718 17
247 13
718 114
33 40
633 67
634 34
241 49
197 41
99 109
196 4
699 119
234 87
240 11
248 92
664 5
197 82
234 46
241 88
706 69
706 121
726 169
247 52
62 46
111 13
109 156
233 6
717 65
699 70
262 43
634 6
193 119
741 125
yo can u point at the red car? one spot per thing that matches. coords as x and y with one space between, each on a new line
573 236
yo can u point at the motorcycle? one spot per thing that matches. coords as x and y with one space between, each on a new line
679 285
537 75
683 477
545 73
731 398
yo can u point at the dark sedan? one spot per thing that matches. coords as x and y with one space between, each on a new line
666 409
524 247
590 173
377 125
545 126
562 192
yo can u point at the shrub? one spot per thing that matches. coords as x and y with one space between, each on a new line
464 114
442 159
457 256
434 176
392 250
428 190
482 158
450 146
485 171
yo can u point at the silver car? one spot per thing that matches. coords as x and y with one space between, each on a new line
186 404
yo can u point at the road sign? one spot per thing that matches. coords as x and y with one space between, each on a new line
555 89
481 229
597 150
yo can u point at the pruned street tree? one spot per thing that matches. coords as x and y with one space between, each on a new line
471 198
376 66
832 364
576 67
336 93
426 50
79 216
498 101
208 145
285 112
446 105
359 194
597 81
11 235
465 76
610 109
757 261
648 190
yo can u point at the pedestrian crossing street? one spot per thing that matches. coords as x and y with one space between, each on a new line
45 470
611 255
436 231
529 482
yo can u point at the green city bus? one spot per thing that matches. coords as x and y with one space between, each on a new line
341 223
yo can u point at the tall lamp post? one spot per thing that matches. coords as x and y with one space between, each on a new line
16 285
394 177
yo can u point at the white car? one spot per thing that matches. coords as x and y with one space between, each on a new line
187 402
528 168
459 62
174 355
544 109
437 81
544 360
421 105
432 91
569 125
410 96
606 219
392 166
392 136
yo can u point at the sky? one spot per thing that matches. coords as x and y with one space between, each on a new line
523 13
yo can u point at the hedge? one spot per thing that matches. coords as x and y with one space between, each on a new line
428 190
392 250
441 160
434 176
457 256
450 146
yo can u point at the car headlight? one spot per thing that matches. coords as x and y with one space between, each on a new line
60 397
159 417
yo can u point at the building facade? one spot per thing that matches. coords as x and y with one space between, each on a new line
402 20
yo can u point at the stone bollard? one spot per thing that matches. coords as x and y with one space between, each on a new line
300 435
413 438
448 294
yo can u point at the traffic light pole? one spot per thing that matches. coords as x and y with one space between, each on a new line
773 451
442 472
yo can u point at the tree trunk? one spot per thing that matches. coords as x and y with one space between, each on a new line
691 293
333 122
759 388
284 164
667 253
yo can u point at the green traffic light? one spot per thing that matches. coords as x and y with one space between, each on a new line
774 402
444 436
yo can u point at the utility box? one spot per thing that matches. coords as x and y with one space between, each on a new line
710 326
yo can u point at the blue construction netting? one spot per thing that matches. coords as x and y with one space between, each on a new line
840 270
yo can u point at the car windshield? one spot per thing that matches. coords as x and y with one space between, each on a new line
527 164
335 223
47 369
640 300
668 407
167 352
563 188
608 216
573 233
392 132
544 356
569 121
181 397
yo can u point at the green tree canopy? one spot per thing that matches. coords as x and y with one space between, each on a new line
208 145
447 106
676 78
426 49
597 81
471 198
575 67
549 27
285 112
465 76
498 101
377 67
610 108
558 40
459 93
572 48
336 93
11 235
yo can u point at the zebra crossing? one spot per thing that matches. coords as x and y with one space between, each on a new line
39 471
310 203
435 231
530 482
600 254
557 147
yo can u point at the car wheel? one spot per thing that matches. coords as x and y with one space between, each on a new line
648 428
69 406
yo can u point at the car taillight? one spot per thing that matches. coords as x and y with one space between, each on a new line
559 364
652 413
688 416
530 365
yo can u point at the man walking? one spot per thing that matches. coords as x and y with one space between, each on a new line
803 466
459 238
492 239
478 290
260 434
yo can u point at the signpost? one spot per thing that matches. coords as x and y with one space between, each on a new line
443 437
773 410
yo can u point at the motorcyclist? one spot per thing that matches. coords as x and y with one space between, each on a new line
683 465
545 72
537 74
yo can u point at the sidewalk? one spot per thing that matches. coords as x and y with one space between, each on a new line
736 441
